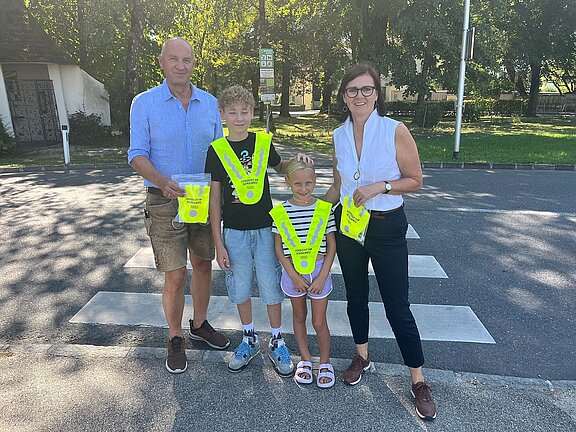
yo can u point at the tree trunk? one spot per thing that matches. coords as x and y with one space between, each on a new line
426 62
515 79
354 44
535 73
285 97
131 72
327 86
81 26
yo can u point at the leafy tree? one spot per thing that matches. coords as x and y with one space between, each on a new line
540 34
329 30
424 46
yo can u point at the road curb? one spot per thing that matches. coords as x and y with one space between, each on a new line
499 166
319 163
213 356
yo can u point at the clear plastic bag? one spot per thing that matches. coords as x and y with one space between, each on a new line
193 208
354 220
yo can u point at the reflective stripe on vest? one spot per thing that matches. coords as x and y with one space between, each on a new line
354 220
303 255
193 208
248 186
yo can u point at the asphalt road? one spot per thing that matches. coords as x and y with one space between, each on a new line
506 239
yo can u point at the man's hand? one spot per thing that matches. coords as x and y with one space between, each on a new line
171 189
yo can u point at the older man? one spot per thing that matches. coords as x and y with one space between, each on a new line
171 128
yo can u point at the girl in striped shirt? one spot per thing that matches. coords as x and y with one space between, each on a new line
300 209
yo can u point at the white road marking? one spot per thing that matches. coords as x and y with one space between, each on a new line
422 266
435 322
500 211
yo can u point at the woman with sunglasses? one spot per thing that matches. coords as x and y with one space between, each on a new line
375 161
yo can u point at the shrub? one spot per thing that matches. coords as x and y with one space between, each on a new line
401 108
87 129
494 107
428 115
509 108
472 112
7 143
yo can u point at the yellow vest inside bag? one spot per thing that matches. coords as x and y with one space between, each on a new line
193 208
354 220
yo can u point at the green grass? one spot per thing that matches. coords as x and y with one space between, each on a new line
490 140
504 140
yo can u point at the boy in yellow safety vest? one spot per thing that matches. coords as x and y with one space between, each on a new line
240 201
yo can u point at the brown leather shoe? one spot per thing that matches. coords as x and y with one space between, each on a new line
176 361
425 407
353 374
206 333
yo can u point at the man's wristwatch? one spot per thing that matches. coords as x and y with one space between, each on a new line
388 187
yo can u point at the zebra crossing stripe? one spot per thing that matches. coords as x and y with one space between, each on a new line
421 266
435 322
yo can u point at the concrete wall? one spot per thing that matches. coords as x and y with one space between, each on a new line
4 106
84 93
27 71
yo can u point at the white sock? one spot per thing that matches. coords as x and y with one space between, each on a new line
277 334
247 331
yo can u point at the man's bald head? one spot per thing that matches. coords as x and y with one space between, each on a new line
177 62
175 40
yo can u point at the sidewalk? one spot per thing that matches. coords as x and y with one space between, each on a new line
90 388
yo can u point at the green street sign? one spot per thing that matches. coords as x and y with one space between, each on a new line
266 59
266 56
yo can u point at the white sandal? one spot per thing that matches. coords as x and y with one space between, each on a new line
303 367
328 373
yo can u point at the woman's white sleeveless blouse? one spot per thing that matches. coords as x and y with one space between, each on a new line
377 161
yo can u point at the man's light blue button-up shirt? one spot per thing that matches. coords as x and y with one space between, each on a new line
175 140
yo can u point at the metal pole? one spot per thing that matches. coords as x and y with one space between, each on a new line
268 118
462 75
65 144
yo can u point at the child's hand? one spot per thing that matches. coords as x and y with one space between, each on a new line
317 285
222 258
300 284
304 158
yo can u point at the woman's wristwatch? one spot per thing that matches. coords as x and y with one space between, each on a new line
388 187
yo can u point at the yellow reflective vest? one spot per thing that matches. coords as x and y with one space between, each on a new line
354 220
193 208
248 186
303 255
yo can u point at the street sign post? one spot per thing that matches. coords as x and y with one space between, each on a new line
267 92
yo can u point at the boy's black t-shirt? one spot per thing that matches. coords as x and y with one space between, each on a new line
236 215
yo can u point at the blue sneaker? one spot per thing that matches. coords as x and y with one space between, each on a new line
245 352
281 357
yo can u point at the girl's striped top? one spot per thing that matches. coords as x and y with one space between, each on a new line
301 217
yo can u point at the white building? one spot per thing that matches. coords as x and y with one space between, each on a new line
39 85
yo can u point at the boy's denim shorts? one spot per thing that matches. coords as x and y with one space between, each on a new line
252 251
